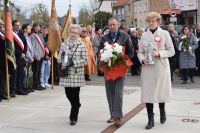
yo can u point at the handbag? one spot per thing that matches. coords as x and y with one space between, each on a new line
64 72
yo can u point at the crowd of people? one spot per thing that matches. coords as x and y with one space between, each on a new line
149 49
31 52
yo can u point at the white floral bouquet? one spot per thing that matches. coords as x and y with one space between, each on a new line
113 61
112 54
185 43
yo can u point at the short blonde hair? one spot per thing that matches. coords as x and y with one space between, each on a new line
153 15
171 27
75 26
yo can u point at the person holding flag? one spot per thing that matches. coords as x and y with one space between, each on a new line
2 62
9 50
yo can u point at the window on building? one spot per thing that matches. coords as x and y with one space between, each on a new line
140 7
122 9
145 7
112 3
119 11
114 12
135 9
181 2
192 1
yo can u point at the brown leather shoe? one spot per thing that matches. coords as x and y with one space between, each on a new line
111 120
118 122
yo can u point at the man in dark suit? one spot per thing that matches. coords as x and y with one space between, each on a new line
2 62
20 51
114 88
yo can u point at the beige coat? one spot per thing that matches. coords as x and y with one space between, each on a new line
156 78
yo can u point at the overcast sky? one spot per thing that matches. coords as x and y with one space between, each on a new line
61 5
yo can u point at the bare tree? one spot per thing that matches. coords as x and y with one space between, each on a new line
39 13
86 13
97 4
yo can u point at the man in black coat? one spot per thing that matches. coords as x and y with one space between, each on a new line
2 62
114 88
20 51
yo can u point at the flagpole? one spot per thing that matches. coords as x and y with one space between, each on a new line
7 79
52 71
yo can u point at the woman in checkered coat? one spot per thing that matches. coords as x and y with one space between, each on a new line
75 79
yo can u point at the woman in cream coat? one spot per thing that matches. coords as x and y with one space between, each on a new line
155 47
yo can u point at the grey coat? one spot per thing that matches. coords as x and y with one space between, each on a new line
38 53
187 59
76 76
30 51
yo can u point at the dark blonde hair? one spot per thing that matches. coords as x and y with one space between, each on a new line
154 15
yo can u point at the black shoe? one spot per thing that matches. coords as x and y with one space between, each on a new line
72 123
0 99
4 98
150 122
12 95
162 116
31 90
39 88
21 93
27 91
88 79
192 79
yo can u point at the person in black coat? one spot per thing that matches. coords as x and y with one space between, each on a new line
136 67
20 52
197 51
173 61
2 62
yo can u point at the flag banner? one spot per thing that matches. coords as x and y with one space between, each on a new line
68 22
10 49
54 38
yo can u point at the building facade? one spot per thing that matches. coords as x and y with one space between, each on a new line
198 13
118 10
189 10
143 7
129 13
106 6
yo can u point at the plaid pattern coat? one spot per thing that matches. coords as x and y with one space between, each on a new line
76 76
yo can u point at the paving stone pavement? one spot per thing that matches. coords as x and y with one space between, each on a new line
47 111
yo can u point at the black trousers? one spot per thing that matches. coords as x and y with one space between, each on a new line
13 81
136 67
149 107
186 73
2 85
72 93
27 76
36 68
20 78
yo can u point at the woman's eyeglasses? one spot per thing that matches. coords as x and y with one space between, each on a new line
75 33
